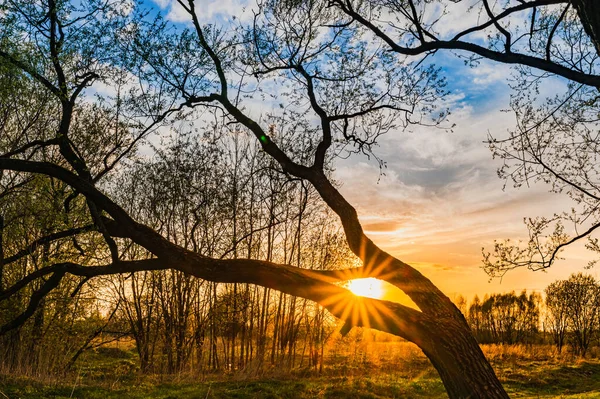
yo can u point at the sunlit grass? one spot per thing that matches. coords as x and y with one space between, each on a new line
338 387
364 364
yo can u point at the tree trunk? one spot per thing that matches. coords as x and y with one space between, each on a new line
460 362
1 253
589 15
439 328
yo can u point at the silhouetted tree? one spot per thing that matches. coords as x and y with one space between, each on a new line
336 95
557 312
583 306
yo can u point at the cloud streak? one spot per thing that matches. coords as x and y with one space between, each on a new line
209 11
440 200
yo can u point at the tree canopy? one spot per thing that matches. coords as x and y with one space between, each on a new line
104 79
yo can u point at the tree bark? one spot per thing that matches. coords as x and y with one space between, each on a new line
459 360
589 15
1 253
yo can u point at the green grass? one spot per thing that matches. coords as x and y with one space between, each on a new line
331 388
525 381
112 373
539 379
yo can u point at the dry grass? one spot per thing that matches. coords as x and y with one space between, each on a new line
355 367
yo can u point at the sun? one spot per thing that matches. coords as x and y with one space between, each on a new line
369 287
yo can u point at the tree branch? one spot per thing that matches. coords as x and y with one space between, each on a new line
47 239
507 58
356 311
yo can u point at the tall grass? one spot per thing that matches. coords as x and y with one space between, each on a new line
363 364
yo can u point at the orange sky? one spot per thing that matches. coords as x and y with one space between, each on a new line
440 201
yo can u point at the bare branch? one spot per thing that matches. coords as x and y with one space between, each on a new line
47 239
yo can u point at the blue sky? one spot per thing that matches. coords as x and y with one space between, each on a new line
440 200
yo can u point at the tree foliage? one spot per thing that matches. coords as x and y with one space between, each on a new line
107 79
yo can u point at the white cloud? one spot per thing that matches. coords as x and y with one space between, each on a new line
488 72
441 202
176 13
163 3
207 10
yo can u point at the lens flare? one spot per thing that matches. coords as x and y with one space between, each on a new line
368 287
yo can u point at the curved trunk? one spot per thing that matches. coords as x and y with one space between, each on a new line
439 328
462 366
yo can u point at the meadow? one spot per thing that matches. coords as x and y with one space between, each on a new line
360 370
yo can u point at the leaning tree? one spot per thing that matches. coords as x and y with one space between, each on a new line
331 90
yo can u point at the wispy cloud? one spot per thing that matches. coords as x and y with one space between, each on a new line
207 10
441 201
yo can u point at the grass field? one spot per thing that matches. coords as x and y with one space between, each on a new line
384 370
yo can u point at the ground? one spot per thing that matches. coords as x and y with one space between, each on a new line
526 372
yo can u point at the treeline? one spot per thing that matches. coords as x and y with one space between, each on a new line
213 193
569 313
505 318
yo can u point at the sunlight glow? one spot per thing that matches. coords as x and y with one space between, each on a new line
369 287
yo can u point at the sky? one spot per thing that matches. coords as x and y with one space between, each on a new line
440 199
